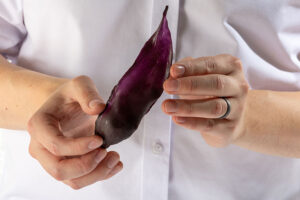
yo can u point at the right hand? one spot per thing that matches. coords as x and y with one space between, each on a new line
63 139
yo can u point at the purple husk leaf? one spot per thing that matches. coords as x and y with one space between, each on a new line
138 89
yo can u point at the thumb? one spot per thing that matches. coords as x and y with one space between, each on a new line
87 95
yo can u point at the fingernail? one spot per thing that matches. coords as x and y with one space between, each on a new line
100 156
94 103
172 85
112 161
117 169
179 70
180 120
171 106
94 144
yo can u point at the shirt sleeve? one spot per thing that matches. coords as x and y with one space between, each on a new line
12 28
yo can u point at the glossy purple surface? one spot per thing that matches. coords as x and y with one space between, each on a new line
138 89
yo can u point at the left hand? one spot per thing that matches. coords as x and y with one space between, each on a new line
63 139
201 83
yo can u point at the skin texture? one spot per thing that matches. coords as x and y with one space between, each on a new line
272 123
263 121
60 115
63 139
199 83
260 120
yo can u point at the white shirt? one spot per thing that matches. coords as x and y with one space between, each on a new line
162 161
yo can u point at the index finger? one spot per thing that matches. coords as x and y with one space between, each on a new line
45 129
220 64
68 168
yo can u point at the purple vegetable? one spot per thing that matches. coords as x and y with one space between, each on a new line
138 89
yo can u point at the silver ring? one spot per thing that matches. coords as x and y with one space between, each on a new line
228 108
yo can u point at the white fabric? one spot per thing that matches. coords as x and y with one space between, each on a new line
12 27
162 161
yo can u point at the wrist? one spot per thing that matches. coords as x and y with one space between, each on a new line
49 86
52 85
27 91
252 117
241 132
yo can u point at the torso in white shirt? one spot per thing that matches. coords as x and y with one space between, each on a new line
162 161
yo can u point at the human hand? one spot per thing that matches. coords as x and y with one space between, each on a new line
62 136
200 83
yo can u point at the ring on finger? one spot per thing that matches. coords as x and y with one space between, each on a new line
228 108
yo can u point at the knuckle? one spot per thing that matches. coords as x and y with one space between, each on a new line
210 65
31 151
231 128
77 81
53 148
226 56
244 87
83 166
218 108
210 123
234 61
190 66
76 146
237 63
192 85
80 79
30 125
218 83
74 185
188 108
56 172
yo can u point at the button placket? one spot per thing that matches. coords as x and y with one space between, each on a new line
157 148
157 125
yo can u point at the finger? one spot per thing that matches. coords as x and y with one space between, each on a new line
177 69
100 173
213 108
86 128
87 95
206 85
115 170
220 64
45 129
217 132
195 97
69 168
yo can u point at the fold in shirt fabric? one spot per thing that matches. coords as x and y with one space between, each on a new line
101 39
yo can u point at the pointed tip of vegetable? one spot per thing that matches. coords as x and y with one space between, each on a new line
166 11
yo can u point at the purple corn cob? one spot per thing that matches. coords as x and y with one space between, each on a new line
138 89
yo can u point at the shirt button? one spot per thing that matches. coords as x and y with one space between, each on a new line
157 148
